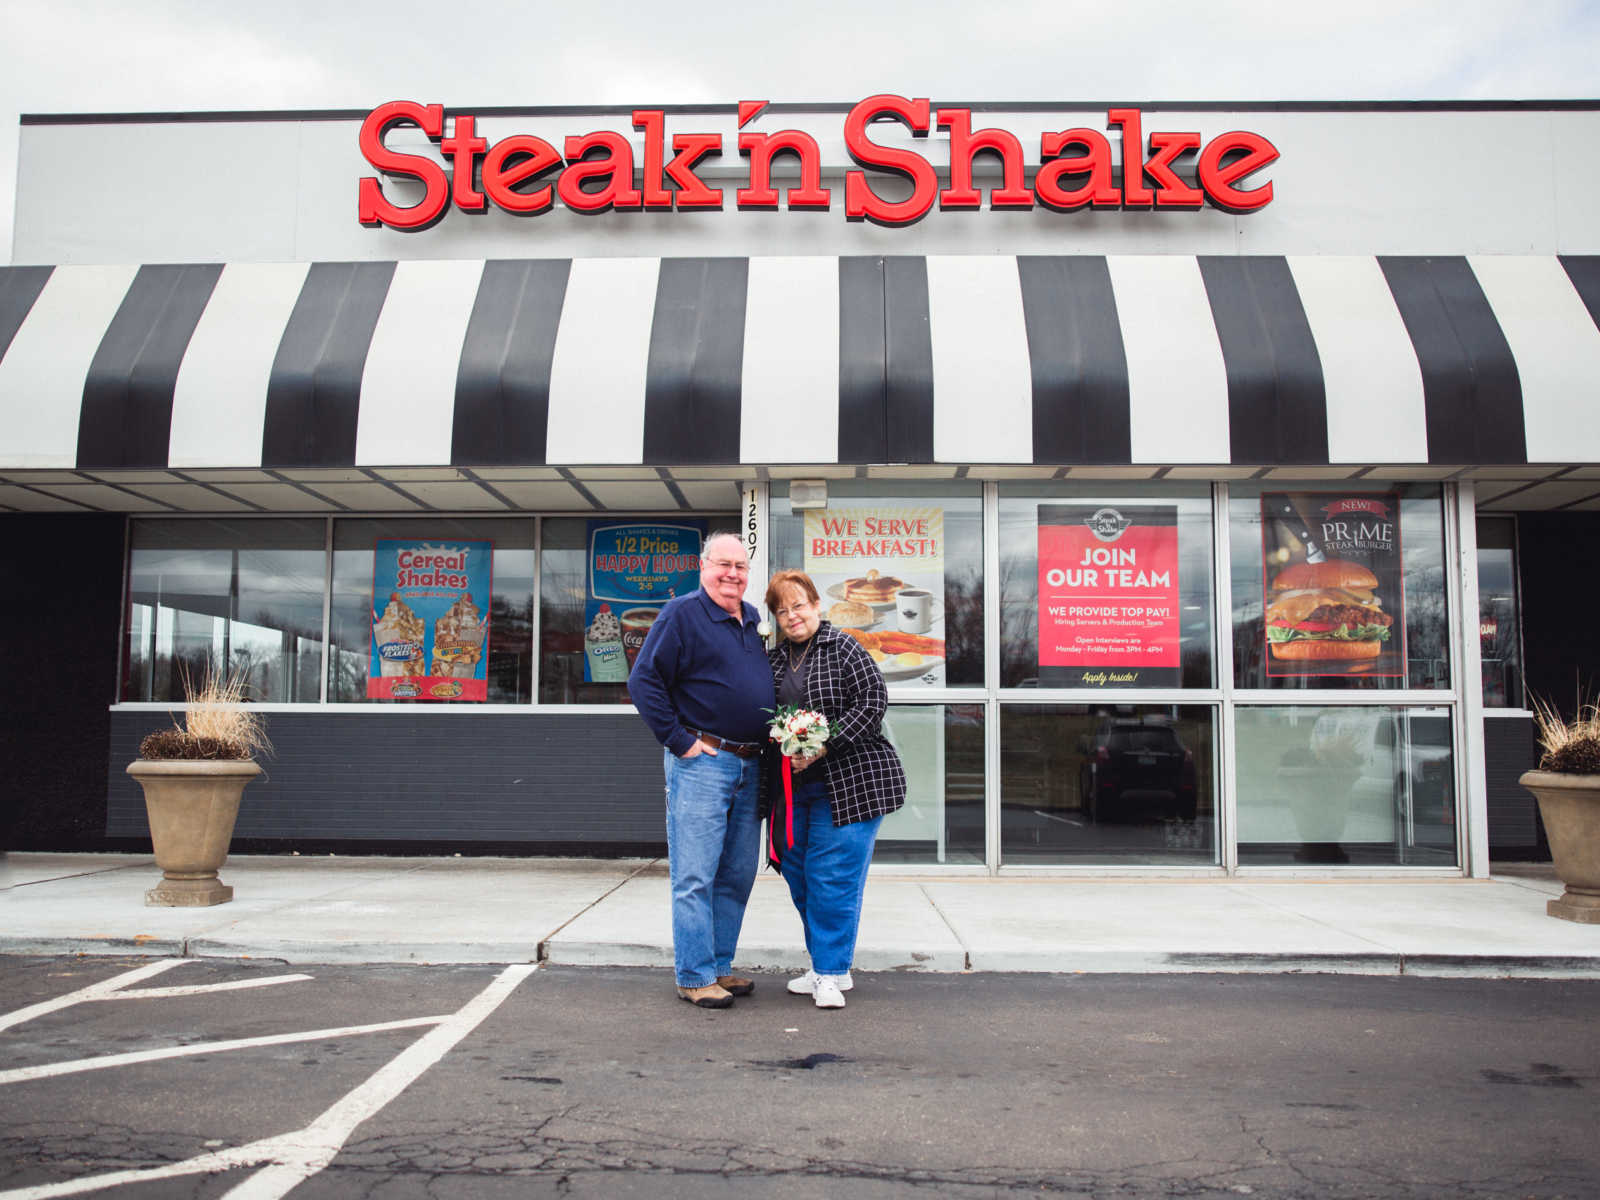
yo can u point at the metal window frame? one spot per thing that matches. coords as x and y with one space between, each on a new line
1458 511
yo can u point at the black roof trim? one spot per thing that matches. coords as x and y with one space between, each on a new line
1022 106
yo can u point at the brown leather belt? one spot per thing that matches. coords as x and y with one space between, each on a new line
738 749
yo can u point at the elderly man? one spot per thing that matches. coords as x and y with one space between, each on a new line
703 685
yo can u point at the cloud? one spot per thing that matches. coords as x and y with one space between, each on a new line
166 55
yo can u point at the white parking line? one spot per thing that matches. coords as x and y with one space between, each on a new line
294 1157
197 989
303 1155
1054 817
46 1070
95 991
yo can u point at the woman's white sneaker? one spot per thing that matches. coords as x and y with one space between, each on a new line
806 985
827 992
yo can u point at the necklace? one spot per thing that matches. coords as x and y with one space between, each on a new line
795 663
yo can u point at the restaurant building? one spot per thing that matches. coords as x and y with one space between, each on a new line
1213 483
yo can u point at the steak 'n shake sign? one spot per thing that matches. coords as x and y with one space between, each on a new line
598 171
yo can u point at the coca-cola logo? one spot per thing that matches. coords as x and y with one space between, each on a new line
596 172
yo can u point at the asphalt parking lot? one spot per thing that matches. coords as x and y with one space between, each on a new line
211 1078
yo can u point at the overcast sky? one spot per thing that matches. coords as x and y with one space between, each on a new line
62 56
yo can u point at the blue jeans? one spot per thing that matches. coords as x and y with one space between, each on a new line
713 841
826 870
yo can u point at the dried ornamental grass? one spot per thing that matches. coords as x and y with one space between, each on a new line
216 725
1570 747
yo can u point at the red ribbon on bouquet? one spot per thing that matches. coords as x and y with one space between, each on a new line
788 802
788 816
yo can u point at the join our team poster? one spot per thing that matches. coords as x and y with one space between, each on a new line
1108 596
632 569
430 620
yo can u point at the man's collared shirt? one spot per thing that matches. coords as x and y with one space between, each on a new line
703 668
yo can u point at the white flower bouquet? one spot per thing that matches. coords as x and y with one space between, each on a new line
799 732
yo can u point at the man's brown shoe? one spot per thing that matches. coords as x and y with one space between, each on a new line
711 996
736 985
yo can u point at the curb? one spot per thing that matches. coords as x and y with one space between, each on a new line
792 958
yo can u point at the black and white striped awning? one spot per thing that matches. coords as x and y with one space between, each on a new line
1042 360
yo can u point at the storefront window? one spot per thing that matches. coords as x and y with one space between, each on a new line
360 603
1091 783
226 599
899 567
1338 586
1363 785
1105 588
941 746
601 582
1499 618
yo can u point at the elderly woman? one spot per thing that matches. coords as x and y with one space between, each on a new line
841 794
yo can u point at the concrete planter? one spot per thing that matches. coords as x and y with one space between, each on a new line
192 805
1570 806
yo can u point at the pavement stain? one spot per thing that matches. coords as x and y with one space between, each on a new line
1537 1075
809 1063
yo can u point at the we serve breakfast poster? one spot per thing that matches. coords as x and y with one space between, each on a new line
880 570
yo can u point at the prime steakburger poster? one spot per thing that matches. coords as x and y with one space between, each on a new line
1108 596
1333 599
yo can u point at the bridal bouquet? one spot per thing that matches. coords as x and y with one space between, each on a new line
798 731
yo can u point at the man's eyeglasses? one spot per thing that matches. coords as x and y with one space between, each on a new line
727 564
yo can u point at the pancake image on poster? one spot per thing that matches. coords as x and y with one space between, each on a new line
874 588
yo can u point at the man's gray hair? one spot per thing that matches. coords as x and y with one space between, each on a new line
720 533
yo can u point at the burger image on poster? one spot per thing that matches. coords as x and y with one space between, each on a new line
1326 611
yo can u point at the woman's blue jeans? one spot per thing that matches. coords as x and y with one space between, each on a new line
713 846
826 870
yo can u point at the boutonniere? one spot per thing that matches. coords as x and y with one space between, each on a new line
764 629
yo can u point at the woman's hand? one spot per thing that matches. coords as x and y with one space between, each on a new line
801 761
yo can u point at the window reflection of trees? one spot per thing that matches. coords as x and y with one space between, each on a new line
1019 577
214 598
1426 613
510 667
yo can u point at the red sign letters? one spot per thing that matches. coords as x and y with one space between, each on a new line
596 172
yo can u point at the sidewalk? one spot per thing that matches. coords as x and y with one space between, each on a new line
615 912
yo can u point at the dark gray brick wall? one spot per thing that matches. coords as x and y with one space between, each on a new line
54 712
414 777
1508 751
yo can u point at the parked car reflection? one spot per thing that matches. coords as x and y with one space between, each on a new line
1137 769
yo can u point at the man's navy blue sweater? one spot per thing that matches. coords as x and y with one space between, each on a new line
703 668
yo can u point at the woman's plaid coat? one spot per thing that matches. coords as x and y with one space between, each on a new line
865 778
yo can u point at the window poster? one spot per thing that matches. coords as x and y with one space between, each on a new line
430 637
879 567
633 568
1333 598
1108 596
